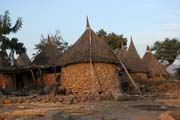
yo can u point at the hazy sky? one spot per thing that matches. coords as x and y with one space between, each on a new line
146 20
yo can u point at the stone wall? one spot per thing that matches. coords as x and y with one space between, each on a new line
79 79
6 81
139 76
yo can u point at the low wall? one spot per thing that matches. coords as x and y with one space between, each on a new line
79 78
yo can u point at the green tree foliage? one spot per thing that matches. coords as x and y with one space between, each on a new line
56 40
6 43
112 39
167 49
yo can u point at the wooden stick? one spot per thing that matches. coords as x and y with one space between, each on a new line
129 76
33 76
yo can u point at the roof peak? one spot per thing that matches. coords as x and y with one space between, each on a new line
49 39
87 23
148 49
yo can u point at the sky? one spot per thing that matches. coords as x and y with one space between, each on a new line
145 20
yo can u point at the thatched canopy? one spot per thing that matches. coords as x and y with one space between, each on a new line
123 52
154 67
23 60
132 60
48 56
89 46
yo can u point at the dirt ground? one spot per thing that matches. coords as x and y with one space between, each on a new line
110 110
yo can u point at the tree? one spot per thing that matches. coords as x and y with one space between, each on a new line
112 39
56 40
167 49
6 43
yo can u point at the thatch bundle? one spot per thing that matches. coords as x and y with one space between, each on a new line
48 56
23 60
154 67
80 51
132 60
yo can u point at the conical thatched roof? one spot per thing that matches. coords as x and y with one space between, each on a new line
132 60
48 56
154 67
89 46
23 60
123 52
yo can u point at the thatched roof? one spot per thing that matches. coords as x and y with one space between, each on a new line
132 60
154 67
89 46
23 60
123 52
48 56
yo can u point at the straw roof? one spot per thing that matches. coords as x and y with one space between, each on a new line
132 60
154 67
23 60
48 56
89 46
123 52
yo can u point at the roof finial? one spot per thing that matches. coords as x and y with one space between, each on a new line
87 23
148 49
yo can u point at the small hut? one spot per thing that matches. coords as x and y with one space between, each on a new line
46 64
89 67
155 69
134 63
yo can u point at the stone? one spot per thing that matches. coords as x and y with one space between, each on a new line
166 116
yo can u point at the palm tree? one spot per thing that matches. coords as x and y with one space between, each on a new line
6 43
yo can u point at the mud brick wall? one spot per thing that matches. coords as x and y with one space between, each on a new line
6 81
78 79
139 76
47 80
157 78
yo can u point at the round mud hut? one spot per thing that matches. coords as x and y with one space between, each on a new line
155 70
89 67
134 63
46 63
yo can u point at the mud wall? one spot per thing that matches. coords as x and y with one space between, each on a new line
6 81
139 76
84 79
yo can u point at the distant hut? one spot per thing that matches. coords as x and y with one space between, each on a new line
89 67
155 70
46 63
134 63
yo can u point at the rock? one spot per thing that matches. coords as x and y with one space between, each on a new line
7 101
167 116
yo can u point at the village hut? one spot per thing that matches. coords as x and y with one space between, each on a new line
155 70
46 63
89 67
134 63
6 80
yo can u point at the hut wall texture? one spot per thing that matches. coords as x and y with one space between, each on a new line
77 78
6 81
48 79
157 78
139 76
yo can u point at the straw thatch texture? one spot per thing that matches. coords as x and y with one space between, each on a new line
155 69
78 78
23 60
132 60
48 56
123 52
80 51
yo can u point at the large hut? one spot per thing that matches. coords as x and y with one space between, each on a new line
46 64
89 67
155 69
134 63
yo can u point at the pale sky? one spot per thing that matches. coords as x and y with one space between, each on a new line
146 20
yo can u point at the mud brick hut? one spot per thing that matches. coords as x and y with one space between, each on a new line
134 63
17 76
155 70
46 64
89 67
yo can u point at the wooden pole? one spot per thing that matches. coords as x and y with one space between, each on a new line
129 76
33 76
